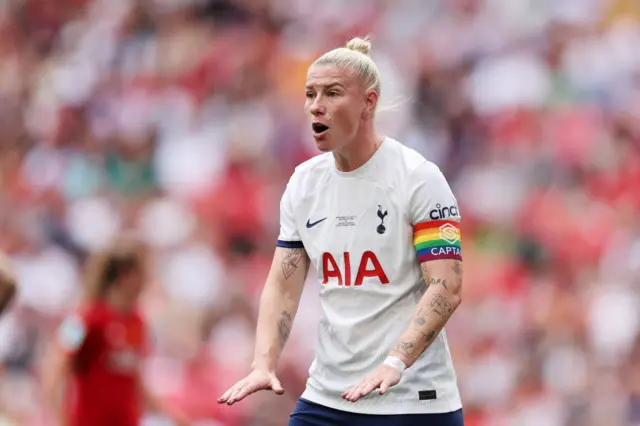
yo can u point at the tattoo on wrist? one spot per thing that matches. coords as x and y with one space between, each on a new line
291 260
441 306
406 348
284 327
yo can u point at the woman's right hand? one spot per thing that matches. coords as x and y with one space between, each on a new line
257 380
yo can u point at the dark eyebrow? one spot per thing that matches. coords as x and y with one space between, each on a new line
328 86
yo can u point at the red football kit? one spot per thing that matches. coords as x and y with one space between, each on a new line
106 346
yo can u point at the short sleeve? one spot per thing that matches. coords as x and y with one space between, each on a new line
289 236
434 215
72 333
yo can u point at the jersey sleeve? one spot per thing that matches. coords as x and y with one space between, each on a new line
289 236
434 215
72 333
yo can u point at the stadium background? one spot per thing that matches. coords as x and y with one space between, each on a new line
182 119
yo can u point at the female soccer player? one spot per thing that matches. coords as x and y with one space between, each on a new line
98 351
381 225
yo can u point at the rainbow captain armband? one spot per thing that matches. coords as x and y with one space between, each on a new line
437 239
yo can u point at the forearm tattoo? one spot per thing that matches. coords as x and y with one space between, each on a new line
420 317
420 321
284 327
428 337
406 348
292 259
441 306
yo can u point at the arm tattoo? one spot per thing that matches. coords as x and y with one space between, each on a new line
419 320
435 281
284 327
428 337
406 348
441 306
432 281
457 268
291 260
425 273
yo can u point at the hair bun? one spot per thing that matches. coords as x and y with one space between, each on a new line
362 45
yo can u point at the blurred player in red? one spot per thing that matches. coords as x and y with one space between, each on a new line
99 350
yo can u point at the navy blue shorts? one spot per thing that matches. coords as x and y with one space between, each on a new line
308 413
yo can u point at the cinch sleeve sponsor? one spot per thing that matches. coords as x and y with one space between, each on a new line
437 239
289 236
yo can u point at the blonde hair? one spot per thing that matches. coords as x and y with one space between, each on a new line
356 55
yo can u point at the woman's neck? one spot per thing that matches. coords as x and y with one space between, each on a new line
357 153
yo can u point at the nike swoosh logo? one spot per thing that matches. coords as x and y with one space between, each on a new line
311 225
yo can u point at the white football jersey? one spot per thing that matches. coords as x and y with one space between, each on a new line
364 231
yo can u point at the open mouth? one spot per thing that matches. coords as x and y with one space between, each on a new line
319 128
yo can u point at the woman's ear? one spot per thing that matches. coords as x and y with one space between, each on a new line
371 101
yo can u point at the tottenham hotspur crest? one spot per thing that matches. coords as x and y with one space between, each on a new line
381 228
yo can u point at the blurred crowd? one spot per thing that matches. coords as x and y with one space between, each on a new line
182 120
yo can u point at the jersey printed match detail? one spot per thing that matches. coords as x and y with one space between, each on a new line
290 244
438 239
